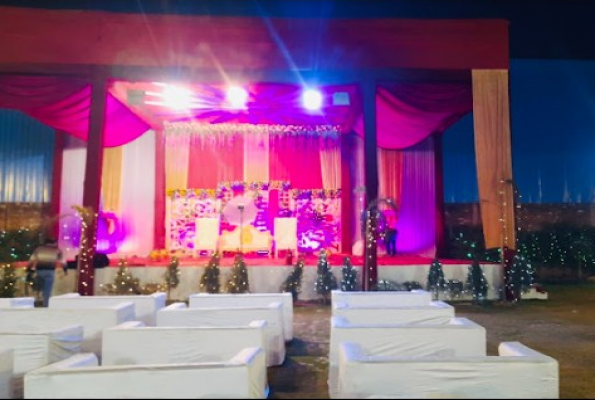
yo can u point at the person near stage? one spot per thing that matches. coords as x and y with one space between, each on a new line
45 260
390 236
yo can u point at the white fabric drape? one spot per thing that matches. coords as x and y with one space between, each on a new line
71 194
138 195
177 151
330 166
256 158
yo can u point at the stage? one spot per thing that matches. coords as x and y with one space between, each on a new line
267 274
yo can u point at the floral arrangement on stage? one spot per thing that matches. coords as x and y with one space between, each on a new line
158 255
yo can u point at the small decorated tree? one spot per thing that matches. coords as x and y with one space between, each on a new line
124 282
349 276
172 276
477 283
209 281
293 283
8 281
519 277
436 282
238 281
326 281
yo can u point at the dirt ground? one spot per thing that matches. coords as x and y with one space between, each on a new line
561 327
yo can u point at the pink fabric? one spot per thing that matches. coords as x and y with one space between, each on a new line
407 113
214 162
296 159
64 104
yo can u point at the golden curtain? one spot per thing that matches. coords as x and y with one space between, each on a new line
111 178
330 166
176 162
491 119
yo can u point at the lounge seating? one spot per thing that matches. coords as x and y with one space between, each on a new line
80 377
382 299
248 300
145 306
517 373
6 368
17 302
435 313
178 314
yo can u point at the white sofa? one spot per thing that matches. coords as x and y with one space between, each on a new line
145 306
80 377
435 313
248 300
17 302
93 320
461 336
6 368
517 373
382 299
132 343
178 314
33 348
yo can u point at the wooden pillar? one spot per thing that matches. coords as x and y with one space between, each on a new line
59 140
92 186
439 182
370 270
347 157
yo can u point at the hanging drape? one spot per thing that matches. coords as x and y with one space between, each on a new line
176 162
111 179
65 103
71 194
296 159
330 165
160 191
491 119
256 158
213 160
390 174
26 157
416 221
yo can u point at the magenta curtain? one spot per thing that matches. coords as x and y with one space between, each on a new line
296 159
417 211
213 161
64 104
410 112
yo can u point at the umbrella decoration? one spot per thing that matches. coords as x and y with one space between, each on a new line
239 211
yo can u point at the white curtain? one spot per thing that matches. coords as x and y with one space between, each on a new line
256 158
138 195
330 166
71 194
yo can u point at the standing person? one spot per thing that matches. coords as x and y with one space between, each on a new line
390 236
45 260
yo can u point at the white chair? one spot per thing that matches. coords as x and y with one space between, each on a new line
6 368
382 299
517 373
80 377
199 300
207 235
285 235
17 302
145 306
461 337
178 314
435 313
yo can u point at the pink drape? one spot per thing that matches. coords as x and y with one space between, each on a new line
65 104
213 161
410 112
296 159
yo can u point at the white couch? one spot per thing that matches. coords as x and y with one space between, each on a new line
17 302
461 336
80 377
518 373
435 313
248 300
145 306
132 343
93 320
33 348
382 299
6 368
178 314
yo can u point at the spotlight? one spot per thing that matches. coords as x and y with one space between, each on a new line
312 99
237 97
177 97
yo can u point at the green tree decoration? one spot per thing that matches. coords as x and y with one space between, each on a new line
519 277
293 283
238 281
326 281
172 276
436 282
124 282
8 281
209 281
477 283
349 276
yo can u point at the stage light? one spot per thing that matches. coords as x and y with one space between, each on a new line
237 97
176 97
312 99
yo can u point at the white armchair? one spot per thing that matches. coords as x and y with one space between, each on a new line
207 235
285 235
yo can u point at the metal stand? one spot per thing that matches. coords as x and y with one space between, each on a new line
241 208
